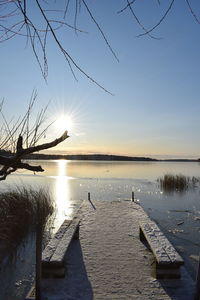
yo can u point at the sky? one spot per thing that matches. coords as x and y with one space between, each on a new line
154 107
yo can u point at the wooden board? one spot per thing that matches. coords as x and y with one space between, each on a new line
57 258
51 247
53 264
162 249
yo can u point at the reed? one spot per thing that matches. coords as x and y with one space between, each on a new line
20 209
170 182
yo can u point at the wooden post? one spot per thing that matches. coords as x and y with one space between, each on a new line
91 201
38 258
197 289
132 196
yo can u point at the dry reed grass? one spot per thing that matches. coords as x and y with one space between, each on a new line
20 209
170 182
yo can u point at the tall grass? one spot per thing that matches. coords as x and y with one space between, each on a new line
170 182
20 209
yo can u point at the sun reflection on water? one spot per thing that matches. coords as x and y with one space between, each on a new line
62 193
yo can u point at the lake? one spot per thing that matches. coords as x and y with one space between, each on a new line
177 213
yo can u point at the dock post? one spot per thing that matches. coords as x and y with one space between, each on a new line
132 196
91 201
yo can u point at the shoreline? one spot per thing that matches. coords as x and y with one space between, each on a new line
104 157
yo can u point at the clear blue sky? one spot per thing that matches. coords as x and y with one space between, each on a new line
155 108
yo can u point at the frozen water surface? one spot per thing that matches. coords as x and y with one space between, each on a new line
177 213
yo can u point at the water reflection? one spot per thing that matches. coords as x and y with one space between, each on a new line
62 193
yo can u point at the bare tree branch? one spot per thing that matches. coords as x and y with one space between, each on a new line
192 12
99 28
13 162
16 19
25 25
127 6
160 21
37 148
138 21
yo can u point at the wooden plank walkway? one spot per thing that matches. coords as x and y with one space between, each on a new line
110 262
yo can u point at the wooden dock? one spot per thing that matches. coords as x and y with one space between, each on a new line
109 261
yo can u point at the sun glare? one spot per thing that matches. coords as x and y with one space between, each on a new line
64 122
67 119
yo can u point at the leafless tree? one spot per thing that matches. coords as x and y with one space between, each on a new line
21 137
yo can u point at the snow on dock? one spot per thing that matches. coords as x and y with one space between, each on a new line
109 261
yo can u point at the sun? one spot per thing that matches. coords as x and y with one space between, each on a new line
64 122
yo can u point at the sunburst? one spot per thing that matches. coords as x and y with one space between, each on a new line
64 122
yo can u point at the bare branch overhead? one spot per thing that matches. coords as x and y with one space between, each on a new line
17 19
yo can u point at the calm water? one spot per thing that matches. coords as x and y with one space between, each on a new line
178 214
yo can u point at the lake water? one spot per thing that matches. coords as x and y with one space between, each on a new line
178 214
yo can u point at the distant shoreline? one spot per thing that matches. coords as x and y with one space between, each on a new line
104 157
97 157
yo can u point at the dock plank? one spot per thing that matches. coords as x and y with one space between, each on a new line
57 258
53 243
162 248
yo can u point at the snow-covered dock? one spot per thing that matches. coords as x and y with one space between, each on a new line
109 261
